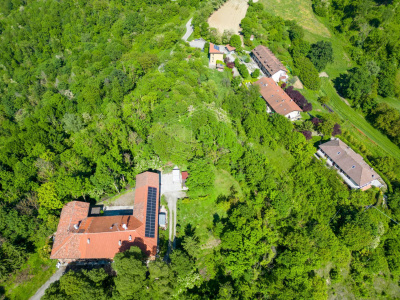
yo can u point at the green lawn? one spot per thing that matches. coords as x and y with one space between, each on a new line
392 101
300 11
198 213
317 29
24 284
350 116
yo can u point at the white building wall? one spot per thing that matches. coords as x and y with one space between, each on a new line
294 115
176 175
278 74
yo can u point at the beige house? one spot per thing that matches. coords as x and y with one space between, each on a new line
215 54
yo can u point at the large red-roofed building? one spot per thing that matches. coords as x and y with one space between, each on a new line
80 236
277 100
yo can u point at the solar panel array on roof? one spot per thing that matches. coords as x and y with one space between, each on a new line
151 212
216 47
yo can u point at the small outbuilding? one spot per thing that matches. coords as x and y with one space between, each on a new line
176 175
162 220
185 176
230 49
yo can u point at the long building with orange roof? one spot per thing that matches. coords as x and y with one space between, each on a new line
80 236
277 100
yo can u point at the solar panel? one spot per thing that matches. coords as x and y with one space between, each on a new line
216 47
151 212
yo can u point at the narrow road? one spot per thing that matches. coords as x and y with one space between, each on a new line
56 276
172 191
189 30
172 198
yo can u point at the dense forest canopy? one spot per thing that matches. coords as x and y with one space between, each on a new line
94 92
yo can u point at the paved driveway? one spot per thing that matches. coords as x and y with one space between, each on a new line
56 276
189 30
172 192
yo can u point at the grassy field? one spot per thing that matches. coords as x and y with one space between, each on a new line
350 116
300 11
317 29
392 101
24 284
199 213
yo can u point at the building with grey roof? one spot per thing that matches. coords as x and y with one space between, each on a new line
350 165
269 64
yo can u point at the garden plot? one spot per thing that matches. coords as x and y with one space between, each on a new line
229 16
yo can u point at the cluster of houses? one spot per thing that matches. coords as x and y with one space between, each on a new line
273 72
350 165
83 235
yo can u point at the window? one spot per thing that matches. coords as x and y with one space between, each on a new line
119 242
353 167
88 241
338 153
130 238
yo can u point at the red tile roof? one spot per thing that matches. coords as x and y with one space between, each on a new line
214 49
276 98
230 48
104 236
185 175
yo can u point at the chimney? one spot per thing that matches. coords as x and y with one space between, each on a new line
76 226
124 226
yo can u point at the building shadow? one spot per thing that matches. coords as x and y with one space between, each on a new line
90 264
138 242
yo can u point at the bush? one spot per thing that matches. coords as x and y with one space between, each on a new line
256 73
308 73
323 99
235 41
336 130
243 71
307 134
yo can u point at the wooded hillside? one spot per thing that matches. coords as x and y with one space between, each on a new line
95 92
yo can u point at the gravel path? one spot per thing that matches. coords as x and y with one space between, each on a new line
172 192
323 74
56 276
189 30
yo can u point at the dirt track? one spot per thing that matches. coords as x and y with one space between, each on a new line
229 16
